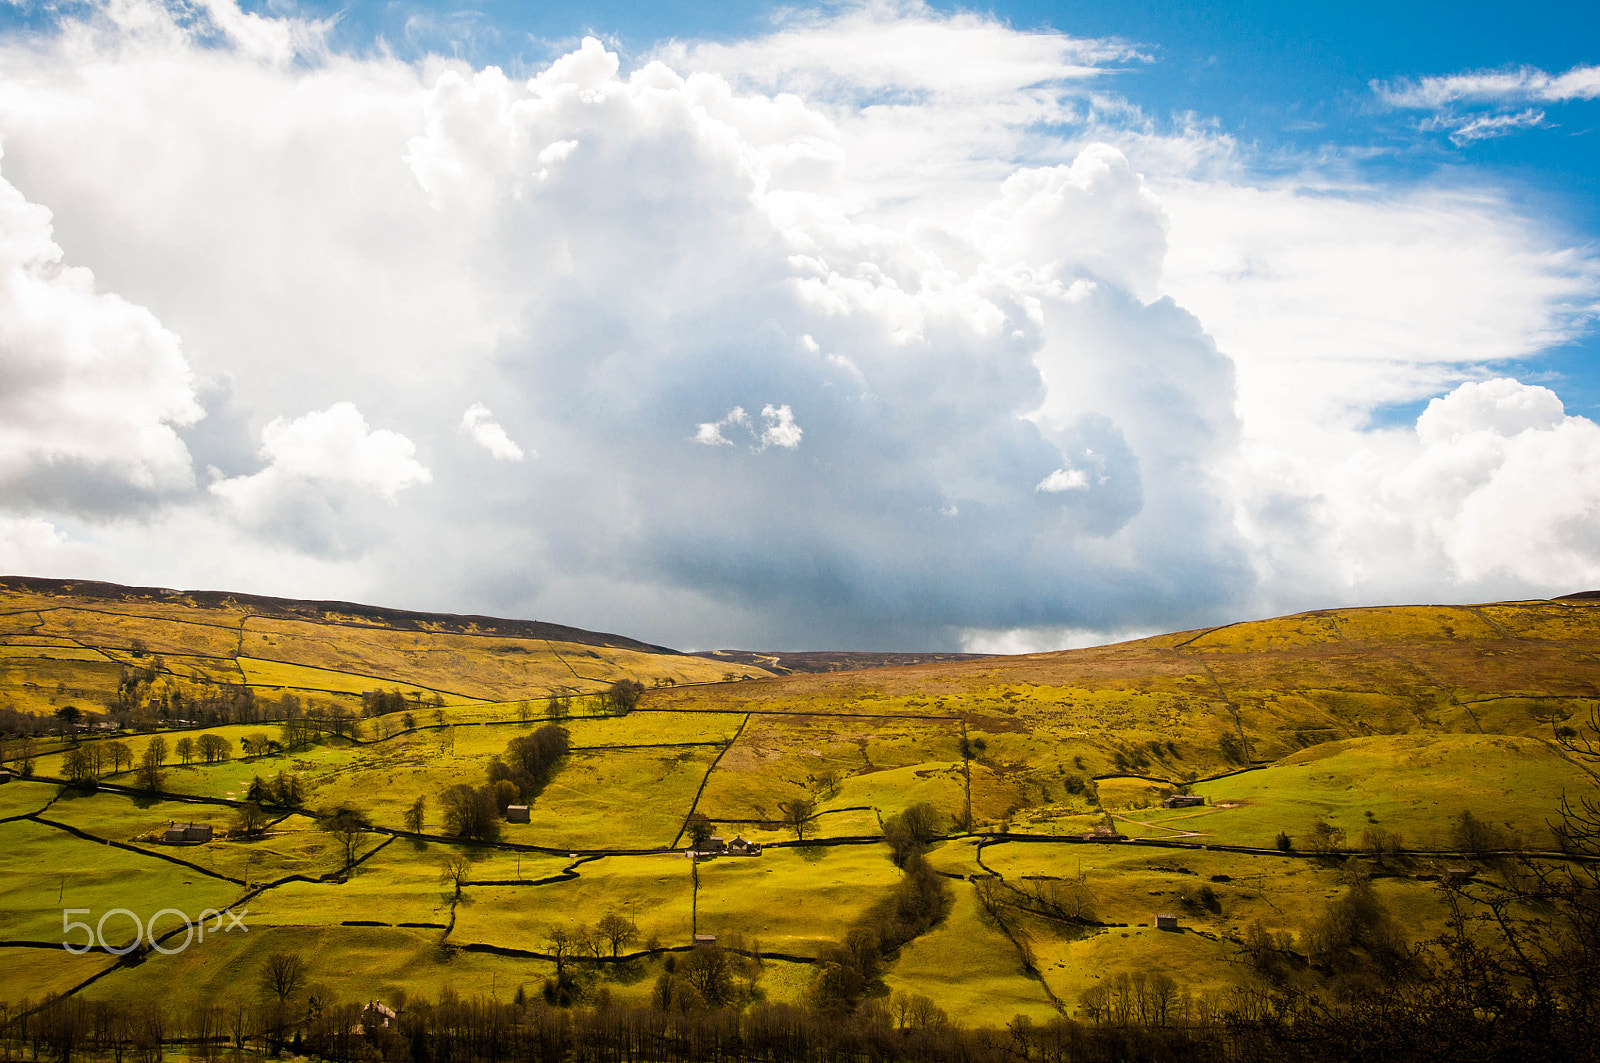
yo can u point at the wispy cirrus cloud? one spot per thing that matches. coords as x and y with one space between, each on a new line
1516 86
1489 126
1482 104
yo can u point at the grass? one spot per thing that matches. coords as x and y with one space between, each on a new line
970 969
1410 784
33 974
1370 718
259 673
655 891
18 798
344 963
583 805
49 870
1071 964
794 900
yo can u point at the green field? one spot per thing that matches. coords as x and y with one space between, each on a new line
1381 724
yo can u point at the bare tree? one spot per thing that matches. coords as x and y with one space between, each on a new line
252 820
347 825
24 752
456 872
284 974
559 942
797 816
416 813
617 930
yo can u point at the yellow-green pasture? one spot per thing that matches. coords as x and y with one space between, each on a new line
654 891
794 899
1285 894
970 968
49 870
31 684
616 799
277 674
781 758
292 846
33 974
119 630
51 653
346 963
1074 961
396 885
493 668
1411 784
18 797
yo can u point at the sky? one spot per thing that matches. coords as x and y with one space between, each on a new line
858 325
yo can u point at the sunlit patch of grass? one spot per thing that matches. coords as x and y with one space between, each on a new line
970 968
793 900
656 892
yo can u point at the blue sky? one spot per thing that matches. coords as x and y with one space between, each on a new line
879 324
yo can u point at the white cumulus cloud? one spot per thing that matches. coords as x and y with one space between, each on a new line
1064 480
480 424
778 428
92 387
1062 370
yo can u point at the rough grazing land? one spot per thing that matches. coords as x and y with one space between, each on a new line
1341 730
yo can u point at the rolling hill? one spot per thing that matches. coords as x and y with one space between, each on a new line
1328 746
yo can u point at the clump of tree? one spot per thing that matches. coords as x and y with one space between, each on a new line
1204 899
214 749
251 820
850 969
1357 938
23 752
1324 838
284 789
699 829
382 702
1478 839
709 977
909 833
1142 998
470 812
118 756
621 696
82 764
416 814
259 744
528 764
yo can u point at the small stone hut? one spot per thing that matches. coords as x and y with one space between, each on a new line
516 813
1166 922
1183 801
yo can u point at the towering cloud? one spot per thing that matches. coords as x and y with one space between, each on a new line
921 340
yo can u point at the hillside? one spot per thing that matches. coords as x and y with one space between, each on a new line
1361 731
78 642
